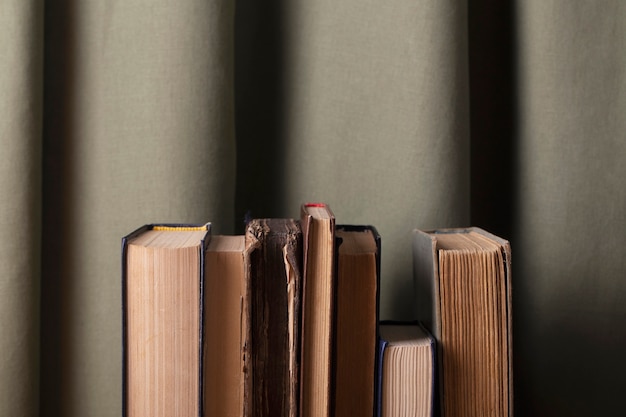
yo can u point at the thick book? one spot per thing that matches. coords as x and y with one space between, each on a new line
318 303
463 290
407 370
357 315
227 329
162 302
275 247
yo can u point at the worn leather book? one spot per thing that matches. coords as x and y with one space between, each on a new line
318 303
463 285
357 314
162 292
275 247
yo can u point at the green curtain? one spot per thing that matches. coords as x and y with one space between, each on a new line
401 114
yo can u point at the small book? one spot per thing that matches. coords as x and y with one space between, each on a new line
275 247
357 313
162 292
463 286
407 370
318 302
227 330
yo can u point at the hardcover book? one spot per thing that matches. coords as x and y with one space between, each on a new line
407 377
275 247
463 288
357 314
162 292
318 303
227 329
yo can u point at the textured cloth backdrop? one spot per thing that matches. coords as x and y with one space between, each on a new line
401 114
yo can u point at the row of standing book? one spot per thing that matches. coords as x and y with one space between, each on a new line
284 321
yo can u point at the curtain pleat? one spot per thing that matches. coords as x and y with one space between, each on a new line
571 204
21 43
505 115
373 119
139 128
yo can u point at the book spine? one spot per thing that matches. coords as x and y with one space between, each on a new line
378 401
275 291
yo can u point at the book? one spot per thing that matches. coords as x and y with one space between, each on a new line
275 247
357 314
318 302
162 290
227 330
463 290
407 364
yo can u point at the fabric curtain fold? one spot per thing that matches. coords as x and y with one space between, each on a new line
139 128
571 207
373 120
21 93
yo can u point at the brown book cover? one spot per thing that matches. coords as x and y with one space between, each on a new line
463 297
162 319
275 300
